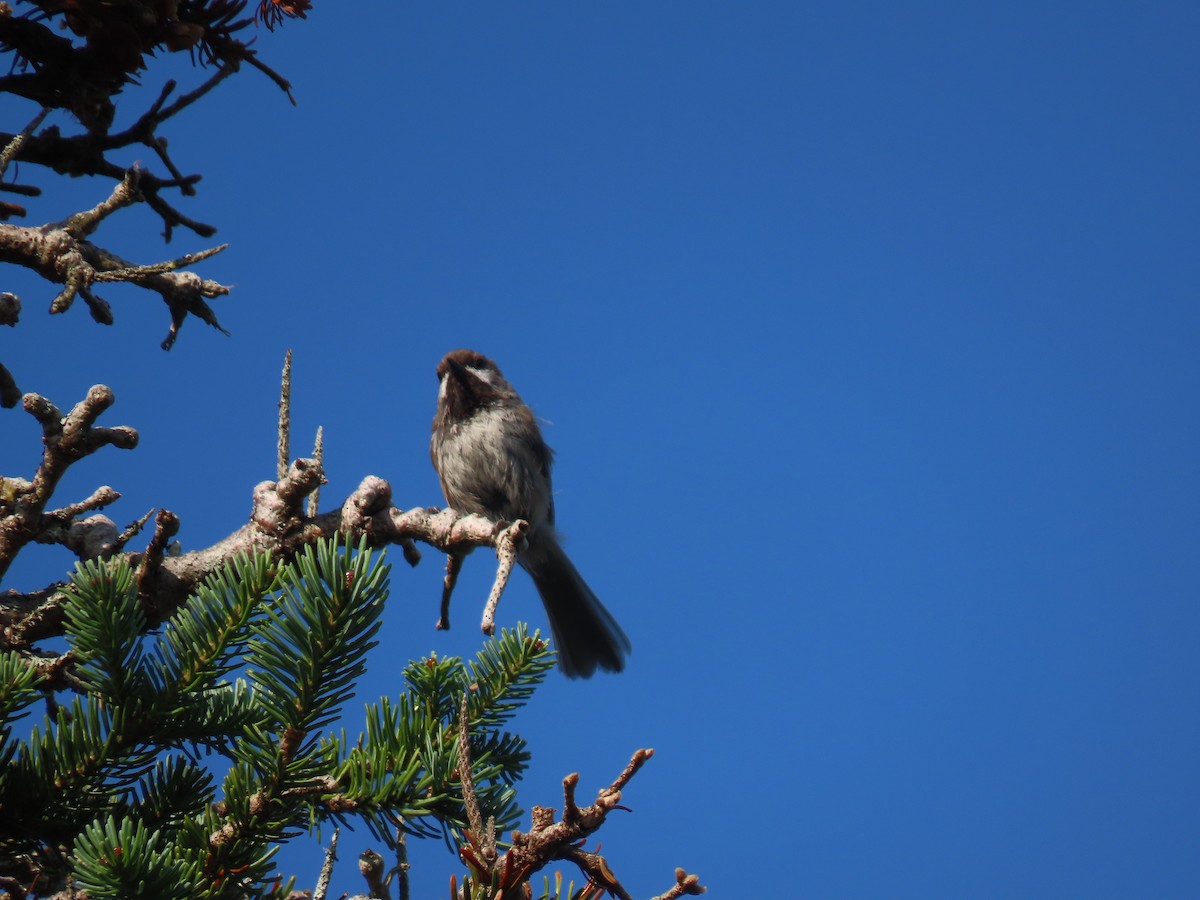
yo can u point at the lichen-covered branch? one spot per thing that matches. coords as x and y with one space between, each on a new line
79 58
279 524
549 841
61 253
66 440
12 146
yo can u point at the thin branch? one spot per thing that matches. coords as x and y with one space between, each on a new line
14 146
134 273
277 525
596 868
66 440
85 153
684 884
61 253
401 869
100 498
81 224
284 455
319 456
467 780
185 100
166 526
99 307
283 83
131 531
639 759
327 867
548 841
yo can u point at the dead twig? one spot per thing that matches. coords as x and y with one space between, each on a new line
62 253
66 440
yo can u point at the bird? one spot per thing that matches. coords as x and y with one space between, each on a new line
491 460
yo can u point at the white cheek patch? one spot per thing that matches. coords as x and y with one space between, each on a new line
487 376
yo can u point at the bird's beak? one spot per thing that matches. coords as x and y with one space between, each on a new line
457 369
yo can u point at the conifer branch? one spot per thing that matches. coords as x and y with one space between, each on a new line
280 523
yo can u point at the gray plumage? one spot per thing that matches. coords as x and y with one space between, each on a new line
491 459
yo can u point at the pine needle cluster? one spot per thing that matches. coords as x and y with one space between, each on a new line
185 758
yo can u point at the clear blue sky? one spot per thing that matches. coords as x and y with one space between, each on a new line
867 338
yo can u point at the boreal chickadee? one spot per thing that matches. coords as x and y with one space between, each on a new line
491 459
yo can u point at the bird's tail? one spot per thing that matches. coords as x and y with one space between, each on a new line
585 633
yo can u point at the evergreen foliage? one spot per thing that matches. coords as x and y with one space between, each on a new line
188 756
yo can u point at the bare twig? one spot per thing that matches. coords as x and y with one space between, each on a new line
81 224
401 869
639 759
484 836
97 306
85 153
14 145
283 456
131 531
327 867
66 440
319 455
100 498
183 101
61 253
596 868
283 83
172 217
548 841
166 526
134 273
684 884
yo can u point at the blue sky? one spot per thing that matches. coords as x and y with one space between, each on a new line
866 336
